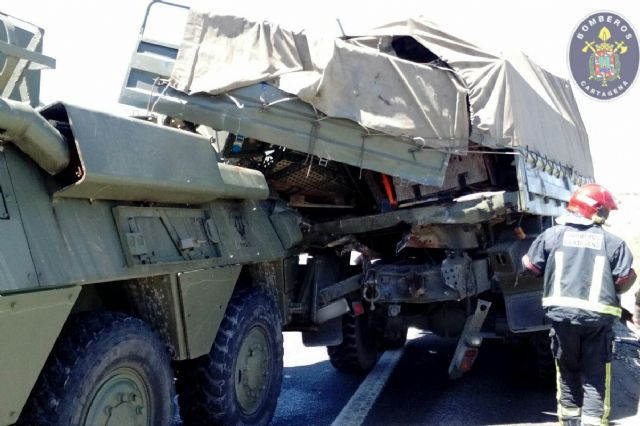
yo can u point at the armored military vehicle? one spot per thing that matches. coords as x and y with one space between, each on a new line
344 188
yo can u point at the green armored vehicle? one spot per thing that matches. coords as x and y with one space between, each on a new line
344 188
127 246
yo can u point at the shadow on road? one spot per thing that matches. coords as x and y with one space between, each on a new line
497 390
500 390
313 395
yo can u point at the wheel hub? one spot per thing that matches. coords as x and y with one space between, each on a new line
120 400
252 375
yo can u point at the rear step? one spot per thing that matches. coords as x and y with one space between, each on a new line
470 341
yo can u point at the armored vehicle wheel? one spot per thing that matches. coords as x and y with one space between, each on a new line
239 381
358 352
106 369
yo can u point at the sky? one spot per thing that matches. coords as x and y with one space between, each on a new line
92 42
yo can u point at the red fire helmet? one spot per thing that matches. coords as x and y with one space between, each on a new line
592 200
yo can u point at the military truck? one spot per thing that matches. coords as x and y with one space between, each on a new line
345 189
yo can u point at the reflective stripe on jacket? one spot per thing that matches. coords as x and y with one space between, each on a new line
578 272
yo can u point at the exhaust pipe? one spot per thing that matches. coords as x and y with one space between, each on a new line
33 135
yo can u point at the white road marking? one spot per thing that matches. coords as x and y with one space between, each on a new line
356 410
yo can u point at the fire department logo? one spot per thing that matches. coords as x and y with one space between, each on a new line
603 55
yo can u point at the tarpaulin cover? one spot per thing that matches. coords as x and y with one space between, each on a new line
369 79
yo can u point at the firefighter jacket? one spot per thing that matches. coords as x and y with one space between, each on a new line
581 263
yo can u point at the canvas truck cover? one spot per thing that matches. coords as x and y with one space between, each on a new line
439 98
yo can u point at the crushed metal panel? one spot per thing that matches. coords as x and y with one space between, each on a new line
266 113
29 326
462 170
293 124
476 208
441 236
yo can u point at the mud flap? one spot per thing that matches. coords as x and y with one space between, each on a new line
328 334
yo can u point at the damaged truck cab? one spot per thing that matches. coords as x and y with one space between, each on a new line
365 185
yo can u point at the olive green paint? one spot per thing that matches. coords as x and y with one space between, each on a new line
122 399
29 326
251 381
205 295
157 301
133 160
34 135
76 241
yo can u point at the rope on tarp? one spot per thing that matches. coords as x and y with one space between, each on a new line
420 144
236 102
266 105
156 83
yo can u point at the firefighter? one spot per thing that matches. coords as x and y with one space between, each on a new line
585 269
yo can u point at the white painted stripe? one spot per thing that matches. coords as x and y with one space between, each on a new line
356 410
596 280
557 288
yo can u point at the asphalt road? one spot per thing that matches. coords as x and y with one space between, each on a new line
498 391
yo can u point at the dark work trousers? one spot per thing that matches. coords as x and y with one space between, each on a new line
583 361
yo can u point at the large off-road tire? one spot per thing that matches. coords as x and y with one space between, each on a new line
238 382
359 350
394 334
106 369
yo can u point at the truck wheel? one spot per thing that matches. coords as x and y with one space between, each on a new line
238 382
395 333
106 369
358 352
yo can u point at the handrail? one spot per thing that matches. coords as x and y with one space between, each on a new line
152 3
10 49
